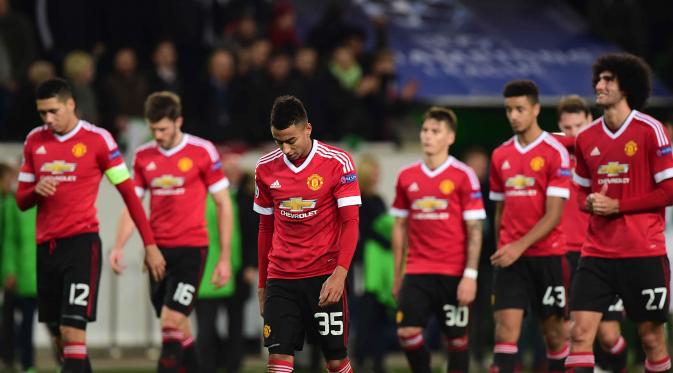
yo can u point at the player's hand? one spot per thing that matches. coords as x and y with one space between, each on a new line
508 254
46 187
222 273
467 291
249 275
260 298
602 204
397 285
10 282
116 257
155 262
333 287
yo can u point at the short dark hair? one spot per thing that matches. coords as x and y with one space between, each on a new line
517 88
287 111
53 88
163 104
442 114
572 104
633 74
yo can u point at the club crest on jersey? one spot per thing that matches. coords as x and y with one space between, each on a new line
58 167
185 164
429 204
520 182
167 182
267 330
78 150
314 182
446 186
630 148
399 316
613 169
537 163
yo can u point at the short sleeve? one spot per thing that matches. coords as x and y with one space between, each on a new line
109 158
470 197
347 190
581 174
659 151
138 177
559 172
495 181
213 174
27 172
263 203
401 204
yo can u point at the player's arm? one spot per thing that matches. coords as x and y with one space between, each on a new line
509 253
125 228
224 209
30 189
497 219
332 288
467 288
399 245
264 239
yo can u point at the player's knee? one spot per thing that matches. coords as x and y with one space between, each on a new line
506 331
281 357
555 335
581 333
609 334
651 336
172 319
339 365
72 334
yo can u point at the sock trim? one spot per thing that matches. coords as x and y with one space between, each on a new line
280 366
662 365
74 351
344 368
618 347
561 354
188 342
580 359
172 335
505 348
413 342
457 344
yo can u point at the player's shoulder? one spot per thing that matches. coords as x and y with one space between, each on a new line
503 149
99 133
331 153
36 133
267 159
650 124
146 149
590 129
204 145
409 170
466 171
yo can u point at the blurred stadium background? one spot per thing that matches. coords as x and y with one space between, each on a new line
366 70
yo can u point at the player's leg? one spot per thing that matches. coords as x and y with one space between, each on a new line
80 258
551 278
190 272
511 288
283 327
591 295
415 307
206 318
644 290
454 320
612 344
49 294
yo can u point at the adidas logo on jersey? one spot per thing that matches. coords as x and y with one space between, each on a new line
275 185
595 152
41 150
506 166
413 187
151 167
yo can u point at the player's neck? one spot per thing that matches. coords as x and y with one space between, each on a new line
71 126
176 142
304 155
435 160
530 135
615 116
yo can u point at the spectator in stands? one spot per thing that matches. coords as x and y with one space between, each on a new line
79 68
165 75
18 38
23 117
282 31
307 85
124 91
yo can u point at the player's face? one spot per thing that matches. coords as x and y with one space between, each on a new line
571 123
521 113
607 90
59 115
294 141
436 137
166 132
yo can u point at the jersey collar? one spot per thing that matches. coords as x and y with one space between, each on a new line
442 167
525 149
69 135
306 162
175 149
614 135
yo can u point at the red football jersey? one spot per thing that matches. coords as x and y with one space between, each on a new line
631 162
436 204
178 180
304 200
77 160
575 222
523 177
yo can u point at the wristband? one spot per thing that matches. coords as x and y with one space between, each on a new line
470 273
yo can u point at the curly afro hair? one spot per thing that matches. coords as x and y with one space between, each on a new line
633 75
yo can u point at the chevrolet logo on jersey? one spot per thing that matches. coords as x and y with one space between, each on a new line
167 182
297 204
429 204
613 169
58 167
520 182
